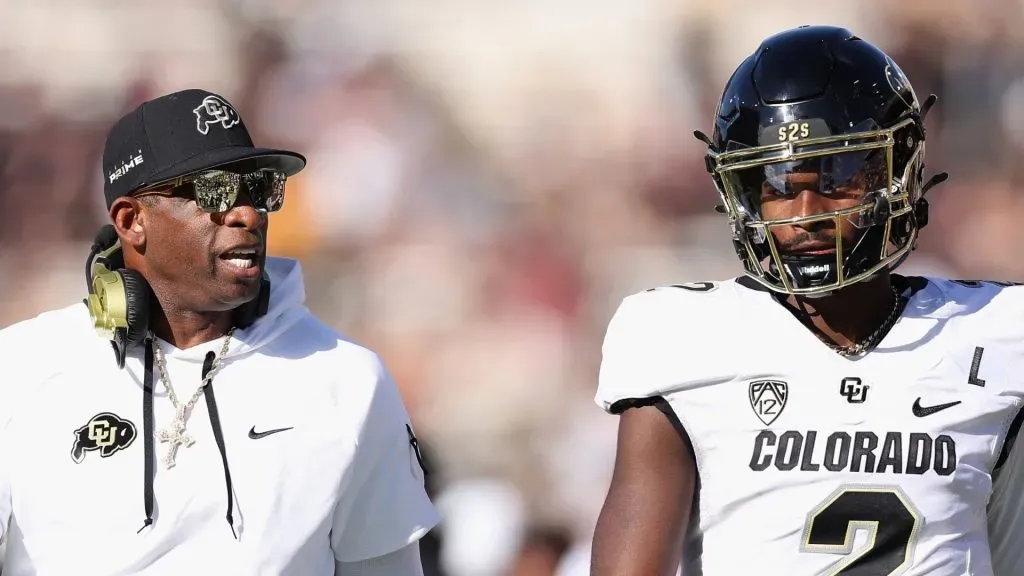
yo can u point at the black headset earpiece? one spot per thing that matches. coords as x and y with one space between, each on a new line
119 298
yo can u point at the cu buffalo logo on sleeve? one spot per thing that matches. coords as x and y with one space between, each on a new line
212 111
768 398
105 432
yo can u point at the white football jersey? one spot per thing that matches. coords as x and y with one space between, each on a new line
899 462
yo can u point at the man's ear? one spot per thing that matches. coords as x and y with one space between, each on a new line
128 215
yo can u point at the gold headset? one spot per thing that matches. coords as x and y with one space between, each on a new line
119 298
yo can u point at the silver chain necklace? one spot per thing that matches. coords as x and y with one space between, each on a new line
175 434
871 341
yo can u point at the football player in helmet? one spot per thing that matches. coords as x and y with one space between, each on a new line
824 414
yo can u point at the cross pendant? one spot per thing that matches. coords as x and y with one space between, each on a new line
175 436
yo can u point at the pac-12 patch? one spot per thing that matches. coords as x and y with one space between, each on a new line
768 398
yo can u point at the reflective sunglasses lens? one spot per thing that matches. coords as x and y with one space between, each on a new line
266 189
216 191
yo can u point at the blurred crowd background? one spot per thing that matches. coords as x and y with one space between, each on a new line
486 181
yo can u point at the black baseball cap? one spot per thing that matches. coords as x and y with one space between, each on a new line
179 134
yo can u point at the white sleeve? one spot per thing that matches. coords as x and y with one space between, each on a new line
402 562
633 353
8 339
5 487
621 356
384 507
1006 510
23 364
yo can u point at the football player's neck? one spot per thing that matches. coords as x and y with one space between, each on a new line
849 315
184 329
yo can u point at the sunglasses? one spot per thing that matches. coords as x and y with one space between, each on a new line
218 191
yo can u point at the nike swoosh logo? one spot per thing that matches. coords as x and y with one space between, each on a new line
922 411
257 435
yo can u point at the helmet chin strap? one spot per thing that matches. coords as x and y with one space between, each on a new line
811 271
806 271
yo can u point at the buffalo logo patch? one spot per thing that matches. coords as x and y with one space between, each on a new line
105 432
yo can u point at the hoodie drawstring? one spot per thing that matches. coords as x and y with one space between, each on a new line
149 450
218 435
149 454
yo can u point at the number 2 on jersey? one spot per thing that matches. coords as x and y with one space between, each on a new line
885 512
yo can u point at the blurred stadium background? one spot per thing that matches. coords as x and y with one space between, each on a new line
487 179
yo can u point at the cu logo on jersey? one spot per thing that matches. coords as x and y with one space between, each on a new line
853 390
768 398
108 433
212 111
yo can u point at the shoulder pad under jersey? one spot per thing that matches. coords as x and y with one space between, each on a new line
664 339
984 321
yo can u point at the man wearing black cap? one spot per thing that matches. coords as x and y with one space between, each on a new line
304 462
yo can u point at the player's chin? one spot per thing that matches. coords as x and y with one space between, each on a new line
232 296
237 286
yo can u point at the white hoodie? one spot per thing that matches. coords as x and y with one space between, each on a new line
341 481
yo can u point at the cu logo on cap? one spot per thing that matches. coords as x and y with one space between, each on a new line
213 110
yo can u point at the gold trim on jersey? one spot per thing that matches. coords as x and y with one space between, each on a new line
853 523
